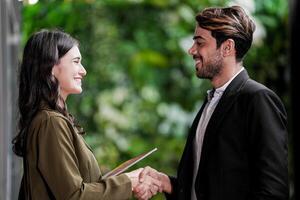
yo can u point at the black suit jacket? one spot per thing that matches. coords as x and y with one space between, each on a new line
244 153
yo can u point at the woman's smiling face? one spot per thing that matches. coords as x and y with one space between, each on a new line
69 73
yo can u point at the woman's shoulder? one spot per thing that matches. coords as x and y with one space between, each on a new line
48 115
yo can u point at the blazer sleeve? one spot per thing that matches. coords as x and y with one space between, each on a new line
267 125
58 166
173 195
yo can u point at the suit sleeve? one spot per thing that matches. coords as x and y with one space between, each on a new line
268 147
173 195
58 166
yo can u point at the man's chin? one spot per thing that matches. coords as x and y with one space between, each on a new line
202 76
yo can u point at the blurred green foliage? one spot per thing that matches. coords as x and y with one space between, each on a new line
141 91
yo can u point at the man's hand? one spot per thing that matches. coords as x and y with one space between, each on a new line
163 178
144 190
147 188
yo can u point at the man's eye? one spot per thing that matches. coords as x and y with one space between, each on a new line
76 61
199 43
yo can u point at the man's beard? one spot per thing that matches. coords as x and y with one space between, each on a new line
211 68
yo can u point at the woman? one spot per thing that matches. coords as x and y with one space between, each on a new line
58 164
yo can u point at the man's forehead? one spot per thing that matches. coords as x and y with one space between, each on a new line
202 33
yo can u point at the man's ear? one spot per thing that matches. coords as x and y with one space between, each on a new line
228 48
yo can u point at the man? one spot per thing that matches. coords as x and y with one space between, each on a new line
237 145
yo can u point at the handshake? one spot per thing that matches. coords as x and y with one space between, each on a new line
147 182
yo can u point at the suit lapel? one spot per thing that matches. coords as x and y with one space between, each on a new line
227 100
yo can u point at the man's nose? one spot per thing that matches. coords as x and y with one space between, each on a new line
192 50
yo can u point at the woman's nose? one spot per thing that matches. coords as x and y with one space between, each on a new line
83 72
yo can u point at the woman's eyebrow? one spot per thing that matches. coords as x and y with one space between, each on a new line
76 58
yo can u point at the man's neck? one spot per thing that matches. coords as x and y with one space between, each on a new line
226 74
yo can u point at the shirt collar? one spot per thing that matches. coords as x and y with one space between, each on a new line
219 91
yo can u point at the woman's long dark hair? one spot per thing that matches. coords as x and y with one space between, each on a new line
37 85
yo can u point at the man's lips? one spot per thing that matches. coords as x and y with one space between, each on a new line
197 61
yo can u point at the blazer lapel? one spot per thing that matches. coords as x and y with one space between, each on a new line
227 100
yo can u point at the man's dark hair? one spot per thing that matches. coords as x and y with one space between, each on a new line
229 23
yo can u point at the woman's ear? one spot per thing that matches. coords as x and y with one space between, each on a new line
228 48
54 70
53 77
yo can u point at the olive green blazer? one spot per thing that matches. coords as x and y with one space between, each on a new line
60 165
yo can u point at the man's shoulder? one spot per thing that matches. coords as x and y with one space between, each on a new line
254 90
252 86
